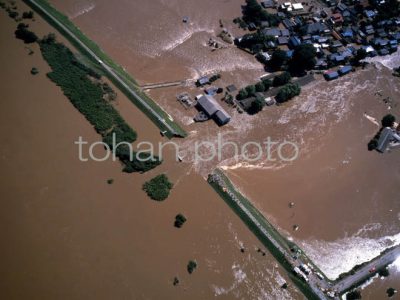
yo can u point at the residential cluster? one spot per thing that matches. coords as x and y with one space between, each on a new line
342 32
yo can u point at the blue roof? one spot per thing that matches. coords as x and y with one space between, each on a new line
294 41
369 13
345 70
331 75
289 53
348 32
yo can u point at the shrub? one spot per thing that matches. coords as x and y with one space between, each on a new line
192 265
179 220
27 15
388 120
24 34
34 71
158 188
353 295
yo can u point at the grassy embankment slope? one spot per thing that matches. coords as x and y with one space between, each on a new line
112 70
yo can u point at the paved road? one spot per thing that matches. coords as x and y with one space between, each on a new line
107 68
363 273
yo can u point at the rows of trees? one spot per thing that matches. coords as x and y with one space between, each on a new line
250 90
81 86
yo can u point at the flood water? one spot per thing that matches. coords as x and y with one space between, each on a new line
67 234
346 198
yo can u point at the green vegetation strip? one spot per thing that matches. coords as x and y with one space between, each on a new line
152 110
277 253
87 93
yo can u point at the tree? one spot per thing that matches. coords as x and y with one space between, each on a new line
192 265
360 55
388 120
179 220
267 84
251 90
278 59
303 59
390 292
24 34
288 92
260 87
282 79
34 71
353 295
158 188
242 94
27 15
256 106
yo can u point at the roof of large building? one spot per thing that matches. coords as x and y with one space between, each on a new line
213 109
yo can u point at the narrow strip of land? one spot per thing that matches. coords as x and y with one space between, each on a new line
163 120
162 85
367 270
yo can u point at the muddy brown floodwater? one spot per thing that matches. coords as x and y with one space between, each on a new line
67 234
88 238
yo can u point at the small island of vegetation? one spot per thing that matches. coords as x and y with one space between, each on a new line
192 265
179 220
158 188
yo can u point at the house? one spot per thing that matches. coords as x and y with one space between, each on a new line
337 19
369 30
264 24
268 4
297 6
314 28
283 40
370 14
331 75
345 70
380 43
321 64
252 26
275 32
203 81
383 52
347 33
285 33
213 110
294 41
341 7
288 23
231 88
289 54
211 90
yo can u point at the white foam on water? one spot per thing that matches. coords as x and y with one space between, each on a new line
389 61
340 256
82 10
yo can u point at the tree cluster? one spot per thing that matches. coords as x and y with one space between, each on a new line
288 92
80 85
282 79
158 188
254 13
23 33
303 59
